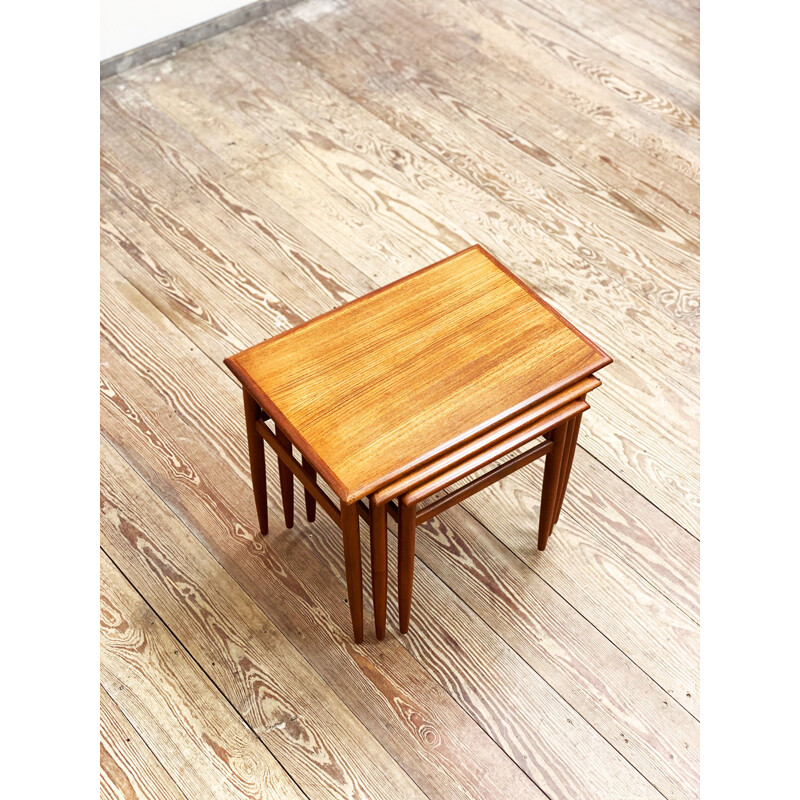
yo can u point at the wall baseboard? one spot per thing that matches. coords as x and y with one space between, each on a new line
176 41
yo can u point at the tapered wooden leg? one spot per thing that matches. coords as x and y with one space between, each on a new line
352 566
550 484
377 535
287 479
407 526
258 470
566 464
311 503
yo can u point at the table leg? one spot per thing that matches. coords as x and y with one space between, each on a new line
407 526
566 465
550 484
379 558
287 479
352 566
311 503
258 471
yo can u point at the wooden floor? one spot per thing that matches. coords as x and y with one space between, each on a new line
264 176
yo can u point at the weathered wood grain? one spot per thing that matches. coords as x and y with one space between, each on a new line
571 103
618 520
171 160
437 743
589 66
128 770
642 33
127 94
650 728
525 103
473 680
226 311
630 611
285 168
182 718
284 701
476 145
661 451
217 351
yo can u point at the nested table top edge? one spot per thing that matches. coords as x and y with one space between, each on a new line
349 494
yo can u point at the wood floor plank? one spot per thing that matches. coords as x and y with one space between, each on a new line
288 166
128 770
327 750
275 236
521 111
628 681
265 150
615 517
183 720
640 34
572 104
613 241
656 42
128 93
673 26
641 92
661 454
537 177
605 589
647 726
433 740
566 226
653 56
223 311
538 107
674 667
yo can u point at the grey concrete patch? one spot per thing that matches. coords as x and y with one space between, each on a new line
176 41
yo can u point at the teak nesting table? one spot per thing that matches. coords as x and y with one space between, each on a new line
401 393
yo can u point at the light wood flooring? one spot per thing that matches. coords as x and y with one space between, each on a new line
259 178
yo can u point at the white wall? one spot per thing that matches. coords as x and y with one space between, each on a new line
125 24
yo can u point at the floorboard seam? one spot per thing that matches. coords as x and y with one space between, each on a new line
130 721
194 660
440 580
495 199
577 611
300 655
371 280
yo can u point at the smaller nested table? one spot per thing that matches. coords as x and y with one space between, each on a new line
404 392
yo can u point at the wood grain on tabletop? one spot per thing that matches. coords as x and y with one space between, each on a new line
382 384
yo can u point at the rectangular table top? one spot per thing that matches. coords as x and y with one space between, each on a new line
383 384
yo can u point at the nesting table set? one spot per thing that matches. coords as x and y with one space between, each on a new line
400 394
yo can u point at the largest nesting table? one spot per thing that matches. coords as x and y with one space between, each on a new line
396 395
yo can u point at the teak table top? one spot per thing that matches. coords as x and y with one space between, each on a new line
383 384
